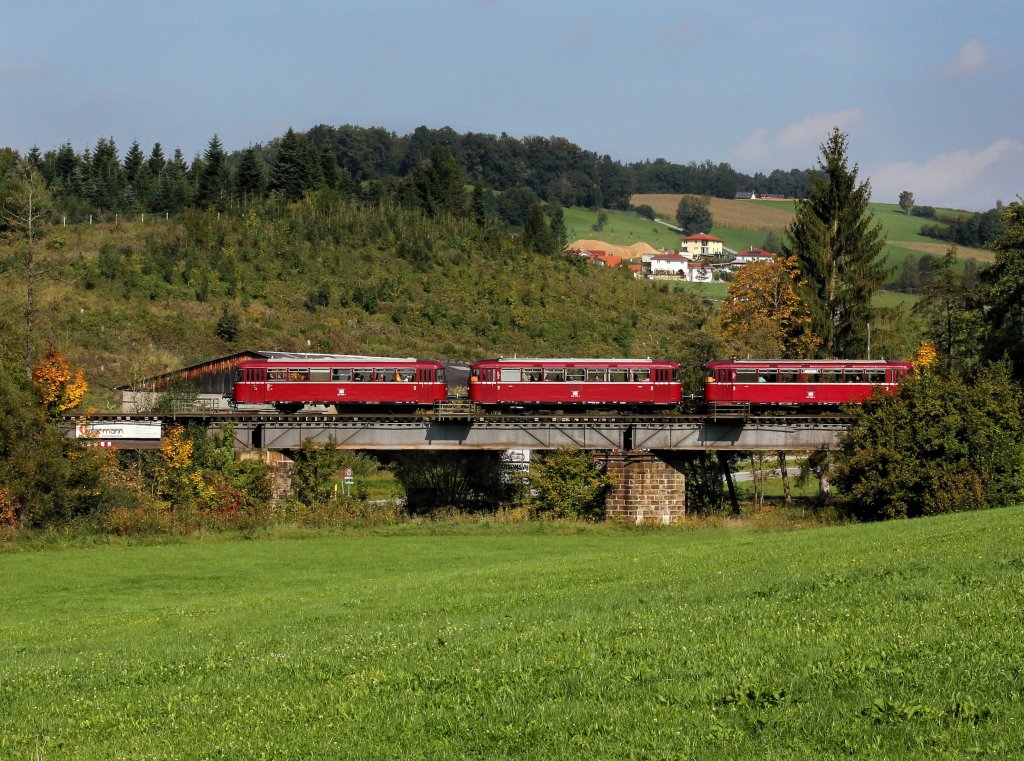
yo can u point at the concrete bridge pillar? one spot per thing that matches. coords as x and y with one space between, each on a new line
647 488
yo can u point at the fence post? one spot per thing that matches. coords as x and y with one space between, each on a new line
90 219
143 219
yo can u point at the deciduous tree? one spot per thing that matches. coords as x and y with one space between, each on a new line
61 387
907 201
694 214
763 313
25 202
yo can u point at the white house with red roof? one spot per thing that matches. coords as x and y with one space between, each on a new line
702 244
671 265
753 255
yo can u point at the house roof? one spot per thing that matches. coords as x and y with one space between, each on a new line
704 237
670 258
759 252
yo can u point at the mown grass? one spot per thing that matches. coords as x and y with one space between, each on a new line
877 641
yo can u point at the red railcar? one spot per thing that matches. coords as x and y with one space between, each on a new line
291 382
801 383
575 382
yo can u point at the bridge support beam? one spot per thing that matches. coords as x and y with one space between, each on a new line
647 487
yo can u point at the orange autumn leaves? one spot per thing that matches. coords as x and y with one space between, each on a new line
60 387
763 315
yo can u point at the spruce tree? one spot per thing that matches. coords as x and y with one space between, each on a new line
837 244
249 177
329 166
212 181
296 167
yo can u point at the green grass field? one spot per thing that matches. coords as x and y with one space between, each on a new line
898 640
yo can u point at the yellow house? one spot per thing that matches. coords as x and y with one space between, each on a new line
702 244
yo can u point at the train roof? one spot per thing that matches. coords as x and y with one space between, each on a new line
806 363
292 357
606 360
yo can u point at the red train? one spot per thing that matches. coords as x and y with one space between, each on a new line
575 383
798 383
289 382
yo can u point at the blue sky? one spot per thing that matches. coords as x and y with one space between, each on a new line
929 92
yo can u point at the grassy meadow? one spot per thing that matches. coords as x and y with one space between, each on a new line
530 641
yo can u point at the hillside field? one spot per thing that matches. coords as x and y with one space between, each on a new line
532 641
743 223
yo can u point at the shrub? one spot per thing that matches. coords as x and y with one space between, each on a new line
937 445
568 483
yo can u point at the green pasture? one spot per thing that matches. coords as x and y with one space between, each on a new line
897 640
623 228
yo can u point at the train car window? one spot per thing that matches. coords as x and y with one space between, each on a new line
511 375
407 375
239 374
854 376
768 375
534 375
319 374
595 375
387 374
641 374
575 374
277 374
341 374
298 374
746 376
876 376
618 374
362 375
787 376
556 374
830 376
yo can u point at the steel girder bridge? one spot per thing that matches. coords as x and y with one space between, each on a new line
479 432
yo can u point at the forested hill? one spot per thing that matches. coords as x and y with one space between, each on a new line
100 181
327 274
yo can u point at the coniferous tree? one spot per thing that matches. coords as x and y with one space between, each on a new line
135 175
249 178
559 235
536 234
106 176
296 167
837 245
952 319
329 166
1003 295
155 163
479 210
212 180
439 182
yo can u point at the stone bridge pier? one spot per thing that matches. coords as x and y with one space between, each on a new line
648 487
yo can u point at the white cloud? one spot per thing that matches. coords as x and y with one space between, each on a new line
970 59
794 146
971 180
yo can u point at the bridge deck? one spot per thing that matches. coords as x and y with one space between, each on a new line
482 432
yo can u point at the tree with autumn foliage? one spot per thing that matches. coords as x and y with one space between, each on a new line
763 314
61 387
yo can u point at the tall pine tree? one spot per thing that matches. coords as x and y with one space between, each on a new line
837 245
212 183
